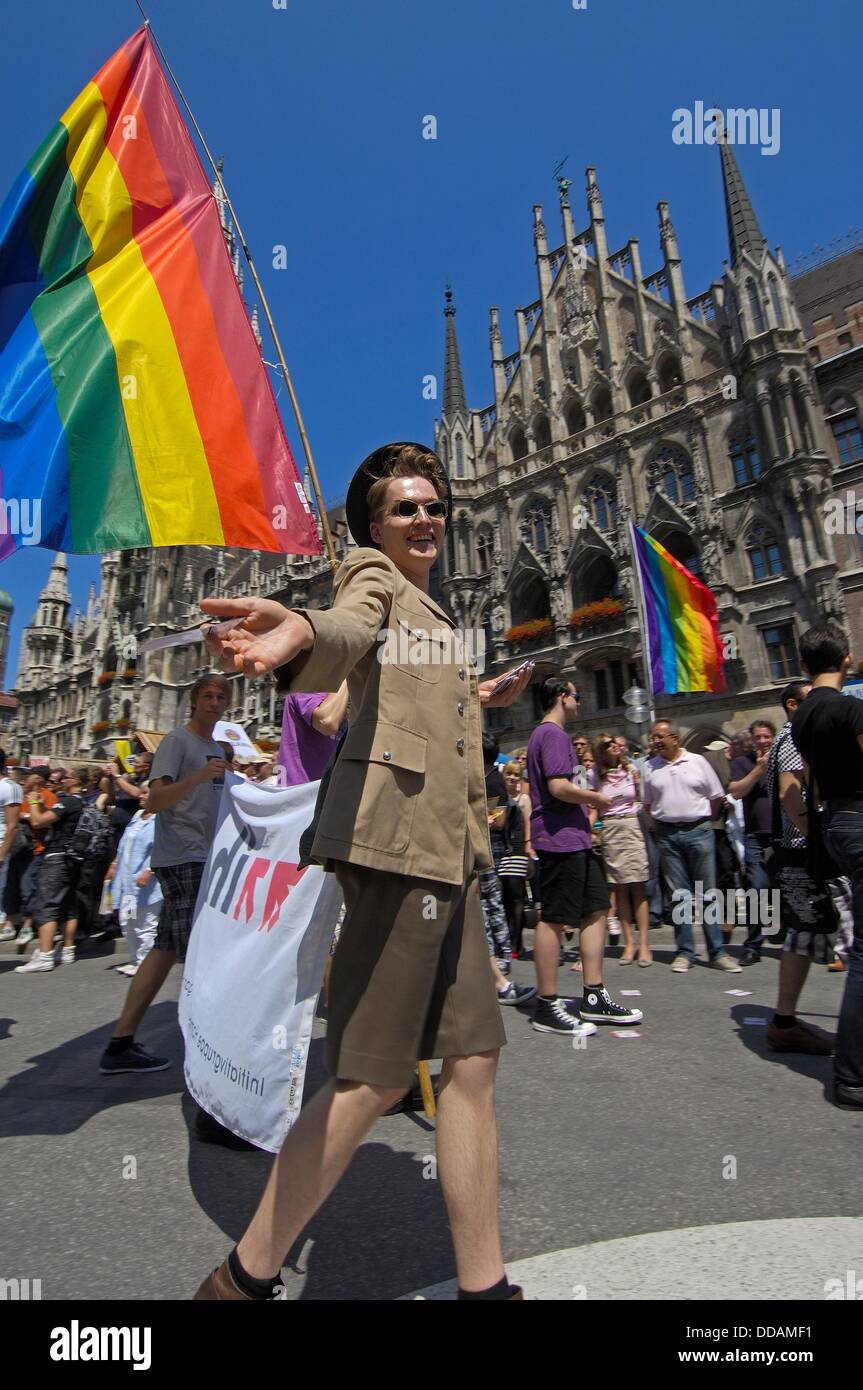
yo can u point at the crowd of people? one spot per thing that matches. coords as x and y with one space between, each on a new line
569 837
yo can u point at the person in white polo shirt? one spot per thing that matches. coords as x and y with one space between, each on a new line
682 793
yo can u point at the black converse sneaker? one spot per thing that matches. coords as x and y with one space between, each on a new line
597 1006
552 1016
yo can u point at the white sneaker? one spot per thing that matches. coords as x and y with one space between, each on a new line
40 960
7 932
67 955
25 936
614 927
126 970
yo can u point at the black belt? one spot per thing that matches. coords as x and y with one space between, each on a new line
845 803
684 824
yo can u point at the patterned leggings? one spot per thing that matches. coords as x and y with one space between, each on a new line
494 915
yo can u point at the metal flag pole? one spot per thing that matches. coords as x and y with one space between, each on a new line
325 524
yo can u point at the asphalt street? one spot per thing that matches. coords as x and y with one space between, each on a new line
688 1161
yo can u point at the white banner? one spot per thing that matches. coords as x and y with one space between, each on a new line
236 736
255 962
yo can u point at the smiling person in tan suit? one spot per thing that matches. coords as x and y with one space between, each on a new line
403 826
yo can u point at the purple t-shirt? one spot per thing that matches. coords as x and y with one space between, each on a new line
303 752
557 827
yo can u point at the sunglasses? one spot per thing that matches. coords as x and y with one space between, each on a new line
435 511
606 746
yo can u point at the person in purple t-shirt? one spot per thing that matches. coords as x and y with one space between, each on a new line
574 891
310 725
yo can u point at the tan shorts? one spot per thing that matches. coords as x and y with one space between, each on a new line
410 979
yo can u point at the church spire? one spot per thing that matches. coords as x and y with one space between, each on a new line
454 400
744 233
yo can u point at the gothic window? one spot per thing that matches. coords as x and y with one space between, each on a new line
534 527
671 470
763 551
602 404
781 651
542 432
745 461
209 583
530 601
574 419
755 309
670 374
684 549
639 389
444 451
844 422
450 552
570 367
484 550
518 444
459 456
599 497
776 300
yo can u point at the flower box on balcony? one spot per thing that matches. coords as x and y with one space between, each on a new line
100 726
128 675
123 723
533 631
106 677
591 614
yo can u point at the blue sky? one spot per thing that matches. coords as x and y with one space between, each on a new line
318 111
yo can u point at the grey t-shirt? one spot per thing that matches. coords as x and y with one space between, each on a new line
185 832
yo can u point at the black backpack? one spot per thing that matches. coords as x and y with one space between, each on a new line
93 837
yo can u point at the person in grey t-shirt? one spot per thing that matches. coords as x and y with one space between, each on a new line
185 789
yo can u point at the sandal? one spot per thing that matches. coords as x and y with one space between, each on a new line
577 966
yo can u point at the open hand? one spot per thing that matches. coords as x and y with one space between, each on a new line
265 635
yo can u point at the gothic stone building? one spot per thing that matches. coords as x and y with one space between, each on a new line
723 423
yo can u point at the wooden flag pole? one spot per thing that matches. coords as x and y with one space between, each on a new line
325 523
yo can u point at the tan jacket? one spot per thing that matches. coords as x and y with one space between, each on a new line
408 786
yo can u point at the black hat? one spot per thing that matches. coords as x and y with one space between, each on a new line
370 470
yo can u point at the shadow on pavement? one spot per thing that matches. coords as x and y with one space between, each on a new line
754 1037
63 1089
384 1228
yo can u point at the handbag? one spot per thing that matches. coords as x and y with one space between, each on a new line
781 856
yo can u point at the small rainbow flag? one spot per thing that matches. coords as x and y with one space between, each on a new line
134 405
684 649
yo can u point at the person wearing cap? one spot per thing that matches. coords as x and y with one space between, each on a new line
403 826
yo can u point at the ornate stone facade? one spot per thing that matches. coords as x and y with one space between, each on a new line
720 423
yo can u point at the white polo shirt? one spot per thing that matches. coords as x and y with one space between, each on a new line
681 790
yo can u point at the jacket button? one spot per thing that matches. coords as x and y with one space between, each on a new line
461 707
461 673
386 755
460 745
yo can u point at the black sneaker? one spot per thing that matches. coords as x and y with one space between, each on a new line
515 994
133 1059
552 1016
597 1006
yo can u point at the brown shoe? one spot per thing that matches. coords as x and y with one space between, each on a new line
798 1038
221 1286
836 965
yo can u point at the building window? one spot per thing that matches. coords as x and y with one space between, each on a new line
745 462
755 307
484 551
846 431
763 552
776 300
781 651
671 470
599 497
534 527
459 456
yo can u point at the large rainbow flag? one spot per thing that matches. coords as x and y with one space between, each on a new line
684 649
134 405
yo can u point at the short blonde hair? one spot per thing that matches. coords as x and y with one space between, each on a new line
409 462
512 767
